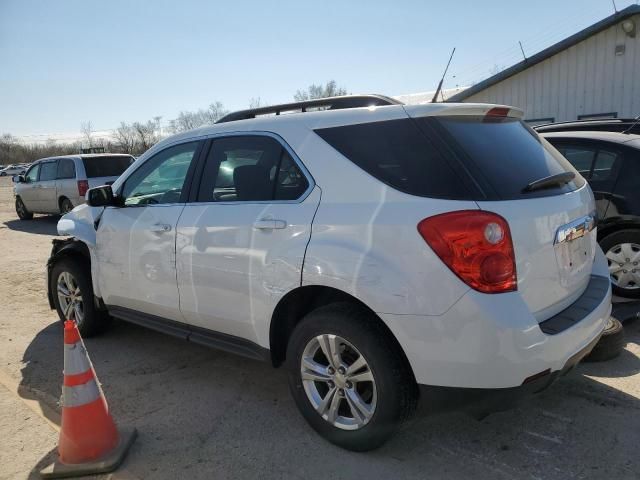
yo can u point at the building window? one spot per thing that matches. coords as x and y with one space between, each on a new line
534 122
598 116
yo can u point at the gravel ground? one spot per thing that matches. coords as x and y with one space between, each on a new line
207 414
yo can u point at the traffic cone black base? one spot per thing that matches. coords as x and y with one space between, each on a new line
106 464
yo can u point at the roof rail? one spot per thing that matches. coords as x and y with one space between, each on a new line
329 103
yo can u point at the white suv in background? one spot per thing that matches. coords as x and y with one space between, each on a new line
57 184
382 253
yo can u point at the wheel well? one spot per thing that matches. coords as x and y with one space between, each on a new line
296 304
68 248
616 227
60 200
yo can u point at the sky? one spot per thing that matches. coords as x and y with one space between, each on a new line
65 62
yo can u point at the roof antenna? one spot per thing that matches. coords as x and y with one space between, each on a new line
435 96
615 9
522 50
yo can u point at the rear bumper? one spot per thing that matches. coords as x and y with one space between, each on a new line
480 402
494 342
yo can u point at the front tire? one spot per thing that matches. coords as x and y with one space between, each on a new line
73 296
349 378
622 249
21 210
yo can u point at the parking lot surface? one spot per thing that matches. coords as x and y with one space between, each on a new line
206 414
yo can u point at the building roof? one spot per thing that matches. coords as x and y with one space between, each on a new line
548 52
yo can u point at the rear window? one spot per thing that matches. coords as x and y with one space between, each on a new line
455 157
106 166
397 153
504 153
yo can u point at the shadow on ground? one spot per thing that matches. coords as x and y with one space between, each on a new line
204 413
41 225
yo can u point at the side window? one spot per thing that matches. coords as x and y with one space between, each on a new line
291 182
32 174
580 157
48 171
250 168
66 169
161 178
603 168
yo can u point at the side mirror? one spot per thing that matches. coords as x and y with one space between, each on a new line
102 197
18 179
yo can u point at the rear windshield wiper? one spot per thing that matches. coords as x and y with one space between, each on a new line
546 182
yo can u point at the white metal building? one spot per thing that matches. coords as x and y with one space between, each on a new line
592 74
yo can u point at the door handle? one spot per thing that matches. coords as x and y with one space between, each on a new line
269 224
161 227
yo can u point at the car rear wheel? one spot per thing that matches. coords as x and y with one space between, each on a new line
65 206
622 250
349 379
21 210
73 296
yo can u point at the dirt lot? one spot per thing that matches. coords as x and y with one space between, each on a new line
206 414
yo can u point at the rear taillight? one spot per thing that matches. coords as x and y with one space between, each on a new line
83 186
476 246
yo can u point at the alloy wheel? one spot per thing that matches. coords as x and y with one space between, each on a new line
624 265
70 297
338 382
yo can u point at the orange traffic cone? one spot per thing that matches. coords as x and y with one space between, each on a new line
89 440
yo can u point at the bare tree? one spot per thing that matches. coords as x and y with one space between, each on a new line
255 102
86 128
125 138
214 113
330 89
189 120
186 121
146 135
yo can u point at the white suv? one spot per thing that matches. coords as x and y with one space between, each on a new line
371 250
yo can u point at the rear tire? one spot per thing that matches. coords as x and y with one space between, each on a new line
21 210
389 398
622 249
610 344
65 206
73 295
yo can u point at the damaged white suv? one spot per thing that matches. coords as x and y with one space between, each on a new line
384 253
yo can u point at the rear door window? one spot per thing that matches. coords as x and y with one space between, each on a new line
106 166
580 157
604 165
66 169
250 168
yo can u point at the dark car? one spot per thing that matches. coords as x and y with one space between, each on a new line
623 125
610 161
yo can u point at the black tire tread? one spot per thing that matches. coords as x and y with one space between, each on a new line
610 345
28 215
95 321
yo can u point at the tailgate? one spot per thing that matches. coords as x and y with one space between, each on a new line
554 241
